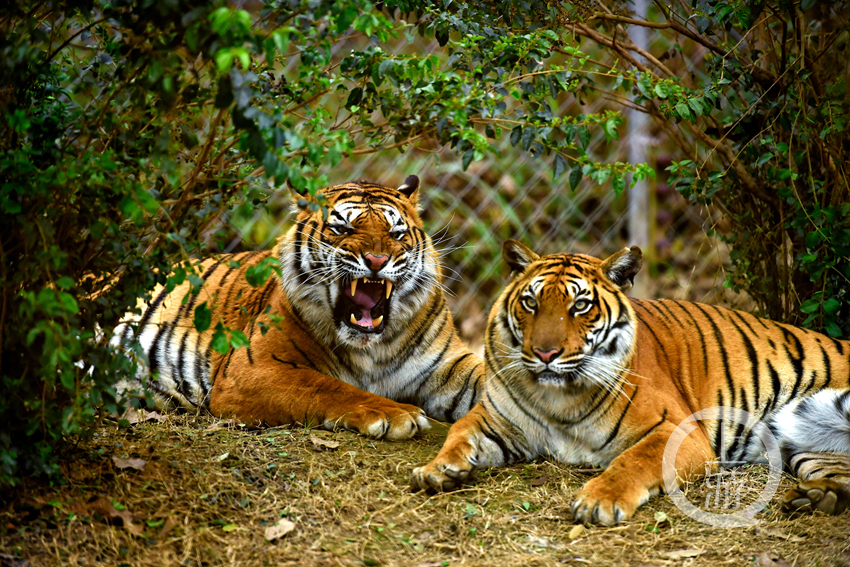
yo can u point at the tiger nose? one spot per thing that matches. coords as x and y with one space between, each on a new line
376 261
547 356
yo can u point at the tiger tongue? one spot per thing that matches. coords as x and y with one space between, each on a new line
366 294
364 300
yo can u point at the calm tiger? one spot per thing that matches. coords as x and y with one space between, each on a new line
581 373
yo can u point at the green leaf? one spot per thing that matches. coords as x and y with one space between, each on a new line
528 135
219 341
575 177
683 110
813 239
662 90
203 317
618 183
65 282
610 128
516 135
559 165
764 158
831 306
696 105
229 527
238 339
583 137
831 327
810 306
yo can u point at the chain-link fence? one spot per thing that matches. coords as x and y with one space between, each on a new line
514 195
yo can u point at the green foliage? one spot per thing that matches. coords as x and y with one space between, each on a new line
130 132
759 123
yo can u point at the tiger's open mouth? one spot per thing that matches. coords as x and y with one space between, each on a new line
364 304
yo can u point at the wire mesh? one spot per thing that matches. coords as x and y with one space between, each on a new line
514 195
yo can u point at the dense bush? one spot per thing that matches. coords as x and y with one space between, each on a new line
130 130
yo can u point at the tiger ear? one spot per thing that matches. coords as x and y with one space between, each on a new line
410 188
622 267
517 255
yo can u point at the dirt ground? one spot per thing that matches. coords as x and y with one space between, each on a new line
192 490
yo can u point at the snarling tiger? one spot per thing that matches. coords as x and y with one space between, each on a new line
579 372
353 333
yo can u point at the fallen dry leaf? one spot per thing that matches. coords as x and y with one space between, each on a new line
577 531
280 529
104 508
682 553
224 423
134 416
169 525
774 532
539 481
138 464
320 444
770 559
543 542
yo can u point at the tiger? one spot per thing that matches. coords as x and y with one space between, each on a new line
580 373
352 332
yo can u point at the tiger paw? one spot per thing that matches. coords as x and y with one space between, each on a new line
821 494
446 472
604 502
390 420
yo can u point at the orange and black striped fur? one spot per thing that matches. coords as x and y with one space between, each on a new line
579 372
365 340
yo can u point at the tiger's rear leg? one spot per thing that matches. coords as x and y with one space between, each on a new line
825 486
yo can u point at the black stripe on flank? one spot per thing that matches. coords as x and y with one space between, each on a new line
303 355
146 316
616 429
428 372
776 386
153 353
183 386
740 316
476 395
448 375
508 456
740 429
651 429
839 346
718 435
452 408
754 365
278 359
696 328
827 367
661 314
722 348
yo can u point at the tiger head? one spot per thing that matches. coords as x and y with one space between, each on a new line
363 265
563 321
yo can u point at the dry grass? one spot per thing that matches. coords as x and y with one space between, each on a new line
214 490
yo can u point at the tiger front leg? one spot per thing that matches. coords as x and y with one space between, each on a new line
286 394
636 475
473 443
